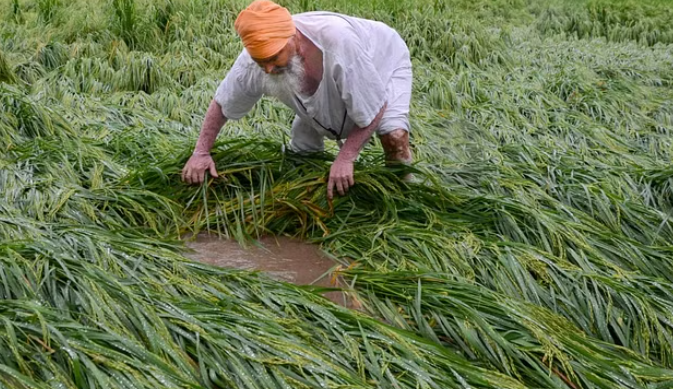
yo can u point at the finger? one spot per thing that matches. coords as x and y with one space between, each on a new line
340 187
195 177
351 180
346 184
188 176
183 177
330 186
213 171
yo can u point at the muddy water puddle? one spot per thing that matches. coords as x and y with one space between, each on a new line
281 258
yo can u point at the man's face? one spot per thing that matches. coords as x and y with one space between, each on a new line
284 72
279 63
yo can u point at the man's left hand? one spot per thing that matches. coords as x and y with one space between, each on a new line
341 176
341 173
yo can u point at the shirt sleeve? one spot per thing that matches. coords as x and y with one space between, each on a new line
357 80
239 91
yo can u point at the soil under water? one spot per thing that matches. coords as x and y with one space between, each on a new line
281 258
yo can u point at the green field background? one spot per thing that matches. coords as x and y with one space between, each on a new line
533 250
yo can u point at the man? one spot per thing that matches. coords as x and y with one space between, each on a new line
344 77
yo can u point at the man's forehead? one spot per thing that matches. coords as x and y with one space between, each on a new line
270 59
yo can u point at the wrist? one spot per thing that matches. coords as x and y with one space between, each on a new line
347 154
345 158
201 153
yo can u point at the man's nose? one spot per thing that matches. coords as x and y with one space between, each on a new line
269 68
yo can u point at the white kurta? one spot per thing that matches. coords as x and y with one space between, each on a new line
365 64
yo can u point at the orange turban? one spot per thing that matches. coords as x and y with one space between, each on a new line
265 28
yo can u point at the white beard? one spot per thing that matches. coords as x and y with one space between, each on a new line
288 83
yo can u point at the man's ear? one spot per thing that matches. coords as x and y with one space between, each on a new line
296 41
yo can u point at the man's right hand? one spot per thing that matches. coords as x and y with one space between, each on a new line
194 171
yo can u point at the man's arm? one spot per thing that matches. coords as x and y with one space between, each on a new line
212 124
341 173
194 170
